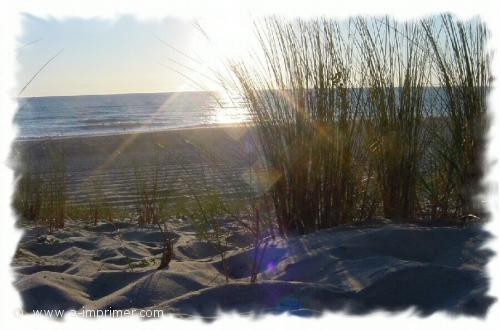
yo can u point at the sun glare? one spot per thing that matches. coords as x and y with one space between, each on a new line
216 42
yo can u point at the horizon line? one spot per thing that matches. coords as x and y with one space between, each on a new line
165 92
119 93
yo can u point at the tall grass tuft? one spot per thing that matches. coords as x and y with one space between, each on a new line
151 190
97 206
368 117
397 71
41 190
28 198
53 211
152 201
461 64
251 210
208 213
307 116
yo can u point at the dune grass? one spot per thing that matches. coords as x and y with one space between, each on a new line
53 209
152 190
461 64
40 194
307 118
397 72
28 195
345 121
152 201
219 215
97 206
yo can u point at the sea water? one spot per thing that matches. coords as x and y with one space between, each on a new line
53 116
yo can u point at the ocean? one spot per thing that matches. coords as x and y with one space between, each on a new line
54 116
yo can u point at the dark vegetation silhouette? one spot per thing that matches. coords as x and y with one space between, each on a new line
369 118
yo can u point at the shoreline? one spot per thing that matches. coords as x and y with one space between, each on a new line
118 133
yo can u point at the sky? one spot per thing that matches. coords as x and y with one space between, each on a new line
94 56
122 56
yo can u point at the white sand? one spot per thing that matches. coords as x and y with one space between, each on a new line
359 269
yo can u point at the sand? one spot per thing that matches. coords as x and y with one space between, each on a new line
114 266
356 269
192 156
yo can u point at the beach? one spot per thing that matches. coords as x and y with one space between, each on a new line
113 265
182 156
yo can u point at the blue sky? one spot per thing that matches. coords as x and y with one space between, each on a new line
127 55
104 57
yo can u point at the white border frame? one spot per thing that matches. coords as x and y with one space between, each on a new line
155 9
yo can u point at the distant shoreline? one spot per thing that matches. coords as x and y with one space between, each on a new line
138 132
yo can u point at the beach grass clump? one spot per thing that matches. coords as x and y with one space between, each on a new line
219 216
461 65
28 198
151 190
307 116
208 213
53 210
397 70
97 206
41 191
152 203
368 117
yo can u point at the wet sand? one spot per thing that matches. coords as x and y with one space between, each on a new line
184 156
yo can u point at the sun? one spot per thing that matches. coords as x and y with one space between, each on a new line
215 43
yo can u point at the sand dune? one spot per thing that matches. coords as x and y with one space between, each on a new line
358 269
